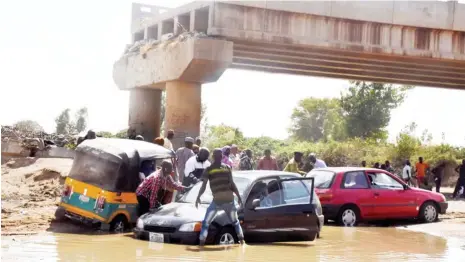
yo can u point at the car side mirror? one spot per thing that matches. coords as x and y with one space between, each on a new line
255 203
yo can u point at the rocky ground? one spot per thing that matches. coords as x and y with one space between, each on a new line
31 189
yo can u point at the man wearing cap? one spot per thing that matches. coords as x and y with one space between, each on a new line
182 155
167 143
317 163
293 165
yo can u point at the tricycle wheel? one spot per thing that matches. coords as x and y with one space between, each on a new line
119 224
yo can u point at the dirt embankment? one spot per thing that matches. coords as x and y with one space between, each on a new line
31 189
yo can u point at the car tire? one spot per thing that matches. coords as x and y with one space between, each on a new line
429 212
348 216
60 214
119 224
227 236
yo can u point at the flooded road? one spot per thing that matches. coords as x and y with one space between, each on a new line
336 244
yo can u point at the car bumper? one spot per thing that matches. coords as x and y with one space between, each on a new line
321 219
330 211
186 238
443 207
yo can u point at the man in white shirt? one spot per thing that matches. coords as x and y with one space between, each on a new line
235 157
317 163
195 166
168 139
407 172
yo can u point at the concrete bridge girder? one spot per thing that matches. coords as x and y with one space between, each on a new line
408 42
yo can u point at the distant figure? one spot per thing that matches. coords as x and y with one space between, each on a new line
235 157
438 173
421 168
267 162
183 154
140 138
383 166
90 135
226 159
159 141
293 165
168 143
195 149
389 167
407 172
317 163
364 163
246 161
461 181
376 165
198 141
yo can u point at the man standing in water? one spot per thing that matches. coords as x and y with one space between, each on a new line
153 189
222 186
234 155
182 155
461 181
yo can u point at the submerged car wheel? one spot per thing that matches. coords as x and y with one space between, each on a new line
119 224
428 212
349 216
227 236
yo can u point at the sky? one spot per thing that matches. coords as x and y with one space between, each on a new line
60 54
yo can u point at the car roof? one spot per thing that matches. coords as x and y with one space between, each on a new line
346 169
258 174
128 147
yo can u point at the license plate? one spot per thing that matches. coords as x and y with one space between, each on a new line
84 198
156 237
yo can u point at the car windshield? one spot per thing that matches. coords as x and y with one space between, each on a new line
96 170
207 196
323 179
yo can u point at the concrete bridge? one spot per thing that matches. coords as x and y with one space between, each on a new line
405 42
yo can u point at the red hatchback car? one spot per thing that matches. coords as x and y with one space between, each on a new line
349 195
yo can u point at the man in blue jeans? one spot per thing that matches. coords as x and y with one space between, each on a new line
222 187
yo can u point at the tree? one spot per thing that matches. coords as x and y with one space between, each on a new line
221 135
317 119
367 107
63 122
27 126
81 119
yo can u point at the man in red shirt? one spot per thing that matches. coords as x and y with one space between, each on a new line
267 162
153 189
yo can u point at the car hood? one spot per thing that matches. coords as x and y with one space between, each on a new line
175 214
434 195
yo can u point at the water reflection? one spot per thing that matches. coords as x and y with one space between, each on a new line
336 244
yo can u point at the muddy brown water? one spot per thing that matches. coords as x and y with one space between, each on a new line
337 244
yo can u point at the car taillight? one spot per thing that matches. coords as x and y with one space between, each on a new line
325 197
67 191
100 203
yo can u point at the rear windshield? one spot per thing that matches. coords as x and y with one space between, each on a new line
323 179
95 170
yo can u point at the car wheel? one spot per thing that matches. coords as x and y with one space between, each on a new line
428 212
349 216
60 214
119 224
227 236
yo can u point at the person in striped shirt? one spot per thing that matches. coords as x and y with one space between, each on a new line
223 187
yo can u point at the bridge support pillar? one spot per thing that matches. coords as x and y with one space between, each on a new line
183 107
145 112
